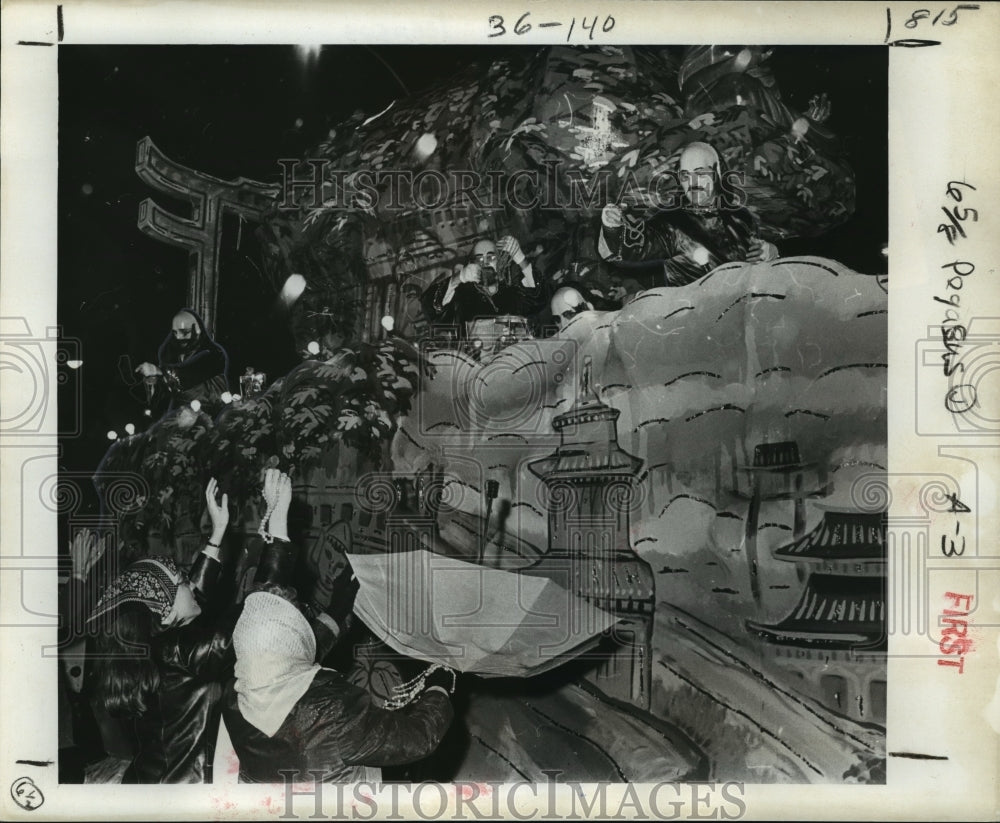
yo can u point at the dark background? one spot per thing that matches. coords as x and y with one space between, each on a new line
232 111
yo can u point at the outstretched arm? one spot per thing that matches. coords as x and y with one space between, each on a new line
196 369
512 248
276 566
77 597
360 733
386 738
207 568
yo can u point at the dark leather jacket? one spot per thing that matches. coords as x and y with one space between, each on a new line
471 301
334 728
664 249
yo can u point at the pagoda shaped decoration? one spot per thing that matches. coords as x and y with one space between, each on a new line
840 617
590 482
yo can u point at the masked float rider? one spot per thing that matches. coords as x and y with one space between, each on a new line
192 365
566 304
680 245
484 287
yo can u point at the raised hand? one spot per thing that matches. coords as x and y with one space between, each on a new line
284 498
509 245
85 550
277 497
819 108
760 251
471 273
218 512
611 216
271 477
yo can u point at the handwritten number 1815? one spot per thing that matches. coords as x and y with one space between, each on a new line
944 17
922 14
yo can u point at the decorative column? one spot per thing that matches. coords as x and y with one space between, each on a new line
201 233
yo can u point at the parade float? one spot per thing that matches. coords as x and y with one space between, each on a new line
659 461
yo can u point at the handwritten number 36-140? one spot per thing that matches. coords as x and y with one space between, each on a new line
498 27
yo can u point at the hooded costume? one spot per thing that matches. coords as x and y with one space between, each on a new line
195 372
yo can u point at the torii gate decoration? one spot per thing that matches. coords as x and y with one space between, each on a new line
201 233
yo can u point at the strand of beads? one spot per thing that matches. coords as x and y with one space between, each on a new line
270 499
405 693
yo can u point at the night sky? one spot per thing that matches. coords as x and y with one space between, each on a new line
232 111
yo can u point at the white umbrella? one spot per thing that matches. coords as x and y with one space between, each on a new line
471 618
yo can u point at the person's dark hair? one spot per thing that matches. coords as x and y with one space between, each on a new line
125 674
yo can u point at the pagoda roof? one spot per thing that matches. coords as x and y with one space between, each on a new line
596 453
585 410
841 535
777 457
575 462
833 611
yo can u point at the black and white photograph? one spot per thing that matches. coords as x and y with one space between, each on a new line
554 413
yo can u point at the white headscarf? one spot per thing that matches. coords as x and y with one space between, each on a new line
275 659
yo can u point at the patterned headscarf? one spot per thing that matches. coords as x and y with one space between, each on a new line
152 581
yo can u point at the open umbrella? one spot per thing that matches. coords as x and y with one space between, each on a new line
471 618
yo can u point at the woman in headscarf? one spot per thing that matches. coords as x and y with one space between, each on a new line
154 664
287 716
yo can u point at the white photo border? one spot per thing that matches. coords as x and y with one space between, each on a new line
943 122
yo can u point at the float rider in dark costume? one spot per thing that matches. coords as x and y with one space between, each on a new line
680 245
192 366
484 287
